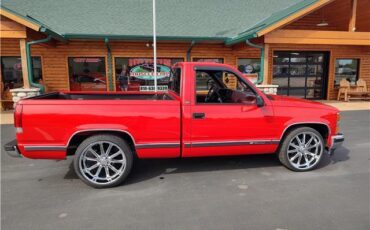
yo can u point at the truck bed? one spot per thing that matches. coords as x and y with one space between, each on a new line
103 96
53 119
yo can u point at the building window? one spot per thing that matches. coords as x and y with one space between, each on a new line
216 60
346 69
249 65
300 73
87 74
137 74
11 71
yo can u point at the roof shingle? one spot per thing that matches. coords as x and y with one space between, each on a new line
176 19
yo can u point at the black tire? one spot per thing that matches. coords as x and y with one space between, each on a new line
117 143
283 150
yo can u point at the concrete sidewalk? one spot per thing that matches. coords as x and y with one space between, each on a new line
349 106
7 116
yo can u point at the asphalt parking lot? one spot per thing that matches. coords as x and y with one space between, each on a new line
250 192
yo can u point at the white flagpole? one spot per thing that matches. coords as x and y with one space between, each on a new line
154 48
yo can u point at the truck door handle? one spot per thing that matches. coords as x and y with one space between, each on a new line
199 115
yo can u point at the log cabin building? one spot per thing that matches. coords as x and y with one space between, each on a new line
304 46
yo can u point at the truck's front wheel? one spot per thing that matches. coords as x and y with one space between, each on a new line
302 149
103 161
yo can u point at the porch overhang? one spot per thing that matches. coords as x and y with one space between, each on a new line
279 20
318 37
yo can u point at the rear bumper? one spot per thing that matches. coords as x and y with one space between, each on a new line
12 149
336 142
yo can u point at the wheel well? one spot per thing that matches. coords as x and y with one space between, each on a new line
78 138
321 128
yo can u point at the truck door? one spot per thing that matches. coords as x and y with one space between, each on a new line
225 118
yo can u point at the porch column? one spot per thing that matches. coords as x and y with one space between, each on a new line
352 20
22 45
266 64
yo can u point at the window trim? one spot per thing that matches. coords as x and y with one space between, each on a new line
257 58
146 57
220 68
90 56
33 56
327 64
346 58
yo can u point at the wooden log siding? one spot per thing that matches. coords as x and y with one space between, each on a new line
55 64
358 52
11 29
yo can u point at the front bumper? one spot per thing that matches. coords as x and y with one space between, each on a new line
12 149
336 141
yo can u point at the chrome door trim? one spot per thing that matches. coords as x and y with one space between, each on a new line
230 143
44 148
157 145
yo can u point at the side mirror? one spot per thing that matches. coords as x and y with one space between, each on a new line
259 101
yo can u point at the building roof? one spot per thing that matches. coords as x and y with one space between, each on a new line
223 20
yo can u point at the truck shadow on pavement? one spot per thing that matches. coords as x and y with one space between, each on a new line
148 169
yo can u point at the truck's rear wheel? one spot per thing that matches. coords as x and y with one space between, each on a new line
302 149
103 161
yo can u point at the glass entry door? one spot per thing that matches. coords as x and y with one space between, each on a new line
301 74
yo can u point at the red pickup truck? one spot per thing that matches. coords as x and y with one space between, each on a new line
209 110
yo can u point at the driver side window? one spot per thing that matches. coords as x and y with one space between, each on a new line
222 87
204 83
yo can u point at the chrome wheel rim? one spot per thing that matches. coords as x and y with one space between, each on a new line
305 150
102 162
